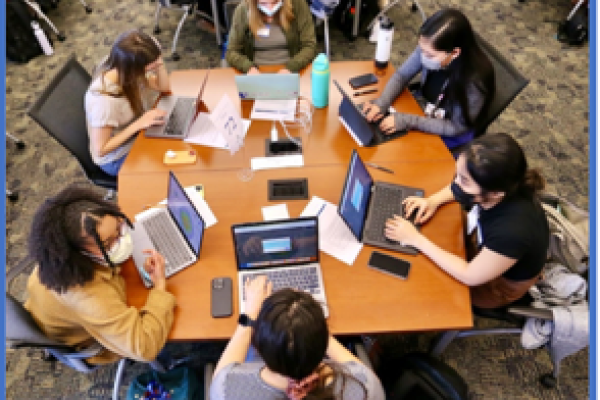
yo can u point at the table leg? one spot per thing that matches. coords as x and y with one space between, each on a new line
442 342
215 12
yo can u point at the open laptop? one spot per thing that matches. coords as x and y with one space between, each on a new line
176 232
365 133
181 113
268 86
286 251
366 205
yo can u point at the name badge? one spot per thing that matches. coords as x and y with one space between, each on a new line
263 32
473 223
433 112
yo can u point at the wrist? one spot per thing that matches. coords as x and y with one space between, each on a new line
161 285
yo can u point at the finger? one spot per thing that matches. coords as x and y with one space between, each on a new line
269 288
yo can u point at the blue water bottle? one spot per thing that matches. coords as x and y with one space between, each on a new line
320 81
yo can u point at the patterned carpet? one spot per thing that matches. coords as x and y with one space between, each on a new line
549 119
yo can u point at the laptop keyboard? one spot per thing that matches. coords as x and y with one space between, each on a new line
388 202
305 279
168 243
180 116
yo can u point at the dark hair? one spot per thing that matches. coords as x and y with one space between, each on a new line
497 163
291 335
56 239
448 29
130 54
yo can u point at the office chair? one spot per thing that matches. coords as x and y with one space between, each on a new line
41 15
416 6
509 83
59 110
188 7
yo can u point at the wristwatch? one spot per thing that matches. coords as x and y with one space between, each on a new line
245 320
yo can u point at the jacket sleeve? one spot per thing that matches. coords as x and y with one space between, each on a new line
235 47
403 75
138 334
444 127
308 40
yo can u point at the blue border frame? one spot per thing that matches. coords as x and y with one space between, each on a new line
593 199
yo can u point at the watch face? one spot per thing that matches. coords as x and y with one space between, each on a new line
245 320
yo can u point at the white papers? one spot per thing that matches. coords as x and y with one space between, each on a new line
199 204
146 213
275 212
228 121
278 110
335 237
203 132
295 160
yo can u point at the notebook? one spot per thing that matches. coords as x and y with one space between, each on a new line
286 251
176 232
363 132
268 86
366 205
181 113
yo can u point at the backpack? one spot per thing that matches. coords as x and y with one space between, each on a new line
176 384
569 232
574 30
21 43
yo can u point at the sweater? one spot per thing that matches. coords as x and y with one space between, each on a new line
300 36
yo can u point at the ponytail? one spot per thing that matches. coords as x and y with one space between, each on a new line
531 184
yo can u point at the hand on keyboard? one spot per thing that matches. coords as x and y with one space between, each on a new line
155 266
151 118
421 209
257 290
401 230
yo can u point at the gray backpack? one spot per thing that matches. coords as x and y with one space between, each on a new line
569 232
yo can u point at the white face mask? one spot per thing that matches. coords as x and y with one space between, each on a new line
122 250
272 11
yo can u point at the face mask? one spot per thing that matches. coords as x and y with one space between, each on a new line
466 200
122 249
272 11
432 65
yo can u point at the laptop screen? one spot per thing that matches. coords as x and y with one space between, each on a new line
268 86
355 196
184 214
276 243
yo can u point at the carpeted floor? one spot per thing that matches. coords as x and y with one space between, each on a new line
549 119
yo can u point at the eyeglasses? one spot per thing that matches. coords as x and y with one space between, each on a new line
111 241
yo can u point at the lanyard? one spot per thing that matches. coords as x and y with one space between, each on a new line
441 96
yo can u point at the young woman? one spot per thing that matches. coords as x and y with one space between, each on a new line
118 100
289 332
457 82
268 32
493 183
76 293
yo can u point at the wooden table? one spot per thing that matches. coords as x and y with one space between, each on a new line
360 300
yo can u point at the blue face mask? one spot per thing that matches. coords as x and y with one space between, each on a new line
272 11
432 65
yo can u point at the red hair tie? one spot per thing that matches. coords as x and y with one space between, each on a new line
298 390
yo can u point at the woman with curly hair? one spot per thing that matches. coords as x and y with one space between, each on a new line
76 293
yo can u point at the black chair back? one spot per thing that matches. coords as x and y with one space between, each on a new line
60 111
509 83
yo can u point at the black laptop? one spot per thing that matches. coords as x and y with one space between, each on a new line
366 206
365 133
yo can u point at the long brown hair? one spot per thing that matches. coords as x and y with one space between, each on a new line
129 56
284 16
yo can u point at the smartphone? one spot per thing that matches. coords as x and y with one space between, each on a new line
180 157
221 297
363 80
389 265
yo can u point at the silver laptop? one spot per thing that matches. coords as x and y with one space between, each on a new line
176 232
286 251
268 86
181 114
366 206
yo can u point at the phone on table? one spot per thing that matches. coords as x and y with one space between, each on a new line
363 80
221 297
389 264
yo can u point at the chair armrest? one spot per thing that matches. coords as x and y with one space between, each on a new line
209 369
532 312
362 355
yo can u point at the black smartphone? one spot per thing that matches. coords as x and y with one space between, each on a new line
221 297
389 265
363 80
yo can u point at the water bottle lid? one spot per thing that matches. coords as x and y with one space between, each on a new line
321 63
385 22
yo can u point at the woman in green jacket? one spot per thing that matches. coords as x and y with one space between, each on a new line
271 32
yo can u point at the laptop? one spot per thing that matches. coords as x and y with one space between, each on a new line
176 232
268 86
181 114
365 133
366 206
286 251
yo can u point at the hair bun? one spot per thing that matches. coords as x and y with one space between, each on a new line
533 181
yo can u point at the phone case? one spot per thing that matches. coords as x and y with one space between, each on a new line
363 80
181 157
221 297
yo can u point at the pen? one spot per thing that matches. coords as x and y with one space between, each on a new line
365 92
389 171
321 209
274 111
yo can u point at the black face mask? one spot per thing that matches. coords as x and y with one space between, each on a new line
466 200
